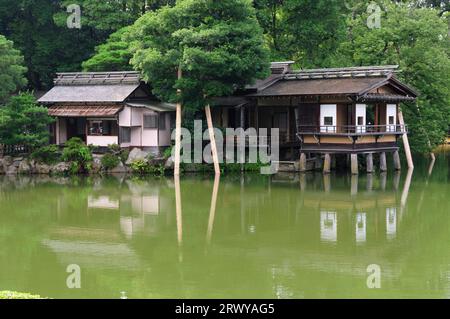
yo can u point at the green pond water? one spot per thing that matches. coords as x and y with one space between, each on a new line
286 236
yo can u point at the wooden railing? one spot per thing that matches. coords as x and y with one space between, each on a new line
349 130
11 150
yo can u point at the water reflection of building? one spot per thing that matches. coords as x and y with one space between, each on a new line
328 226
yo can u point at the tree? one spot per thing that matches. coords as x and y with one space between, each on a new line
417 40
302 30
24 122
11 69
218 45
114 55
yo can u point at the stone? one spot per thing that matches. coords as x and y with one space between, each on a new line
11 169
136 154
96 166
24 167
170 164
7 160
302 162
41 169
119 169
60 168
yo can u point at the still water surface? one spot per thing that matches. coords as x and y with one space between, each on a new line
288 236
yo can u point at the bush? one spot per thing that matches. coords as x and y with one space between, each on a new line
78 154
143 167
168 152
47 154
110 161
17 295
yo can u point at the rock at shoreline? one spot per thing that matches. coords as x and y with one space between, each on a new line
136 154
25 167
119 169
60 168
41 169
170 164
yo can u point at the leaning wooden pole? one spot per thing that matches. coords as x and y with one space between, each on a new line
178 132
212 139
408 154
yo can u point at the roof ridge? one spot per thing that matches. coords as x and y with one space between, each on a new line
97 78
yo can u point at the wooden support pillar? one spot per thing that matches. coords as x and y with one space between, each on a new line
354 185
327 164
178 132
326 183
302 164
212 140
383 165
354 164
406 142
369 163
397 163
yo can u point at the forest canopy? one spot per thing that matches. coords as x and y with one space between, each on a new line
322 33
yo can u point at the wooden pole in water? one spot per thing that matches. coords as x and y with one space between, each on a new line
212 139
406 142
178 131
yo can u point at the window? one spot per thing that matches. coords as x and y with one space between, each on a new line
150 121
328 120
360 120
100 127
125 135
391 120
162 121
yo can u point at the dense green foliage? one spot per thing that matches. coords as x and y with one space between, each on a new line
11 69
217 44
110 161
417 41
24 122
114 55
48 154
78 154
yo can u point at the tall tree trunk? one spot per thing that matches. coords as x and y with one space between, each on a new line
212 139
178 132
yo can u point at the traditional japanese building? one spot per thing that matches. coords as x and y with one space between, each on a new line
325 111
108 108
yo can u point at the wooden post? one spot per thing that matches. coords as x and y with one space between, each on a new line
212 139
354 164
326 183
178 132
397 163
408 154
383 165
369 163
327 164
302 162
354 185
